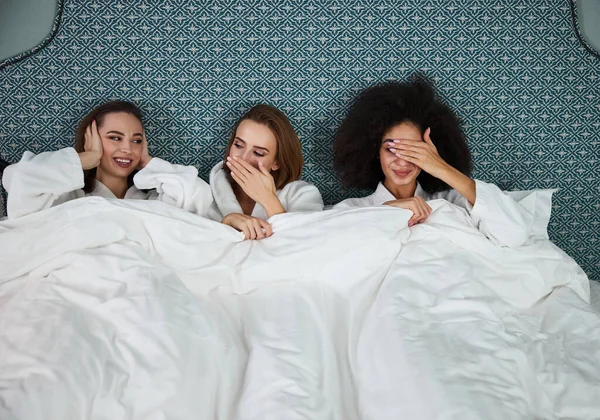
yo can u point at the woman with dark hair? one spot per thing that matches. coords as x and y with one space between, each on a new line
403 141
110 160
260 175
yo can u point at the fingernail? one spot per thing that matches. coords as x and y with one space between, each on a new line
235 157
397 141
392 150
228 158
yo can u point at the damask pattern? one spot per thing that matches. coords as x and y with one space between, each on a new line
527 90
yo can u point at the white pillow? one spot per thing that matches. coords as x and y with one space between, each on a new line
539 204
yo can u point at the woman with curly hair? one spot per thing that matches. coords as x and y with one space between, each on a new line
403 141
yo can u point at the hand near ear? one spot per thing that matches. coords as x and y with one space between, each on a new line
92 154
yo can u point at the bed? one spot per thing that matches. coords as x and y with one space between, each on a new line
135 310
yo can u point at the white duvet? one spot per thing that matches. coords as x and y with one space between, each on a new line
137 310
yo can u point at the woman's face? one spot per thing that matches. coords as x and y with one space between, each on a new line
398 172
255 142
122 139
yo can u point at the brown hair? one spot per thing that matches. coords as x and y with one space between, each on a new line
98 114
289 152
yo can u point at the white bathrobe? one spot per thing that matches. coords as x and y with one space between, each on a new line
38 182
495 213
297 196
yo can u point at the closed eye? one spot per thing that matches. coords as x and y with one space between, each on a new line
237 145
259 154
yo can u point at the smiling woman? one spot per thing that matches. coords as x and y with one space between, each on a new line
110 160
260 175
110 145
403 141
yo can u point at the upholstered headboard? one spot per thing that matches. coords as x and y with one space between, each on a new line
516 71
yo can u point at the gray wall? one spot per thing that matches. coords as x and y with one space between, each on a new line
589 21
24 24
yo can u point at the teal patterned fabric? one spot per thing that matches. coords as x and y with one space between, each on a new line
528 91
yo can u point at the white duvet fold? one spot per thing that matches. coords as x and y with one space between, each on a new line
137 310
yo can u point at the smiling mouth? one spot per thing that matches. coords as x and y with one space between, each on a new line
402 174
123 162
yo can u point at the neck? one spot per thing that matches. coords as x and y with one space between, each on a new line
117 185
401 191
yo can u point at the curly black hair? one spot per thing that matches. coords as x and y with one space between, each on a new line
377 109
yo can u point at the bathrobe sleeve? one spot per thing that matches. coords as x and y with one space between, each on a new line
497 215
177 185
38 182
301 196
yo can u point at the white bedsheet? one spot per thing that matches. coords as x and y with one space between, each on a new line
136 310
